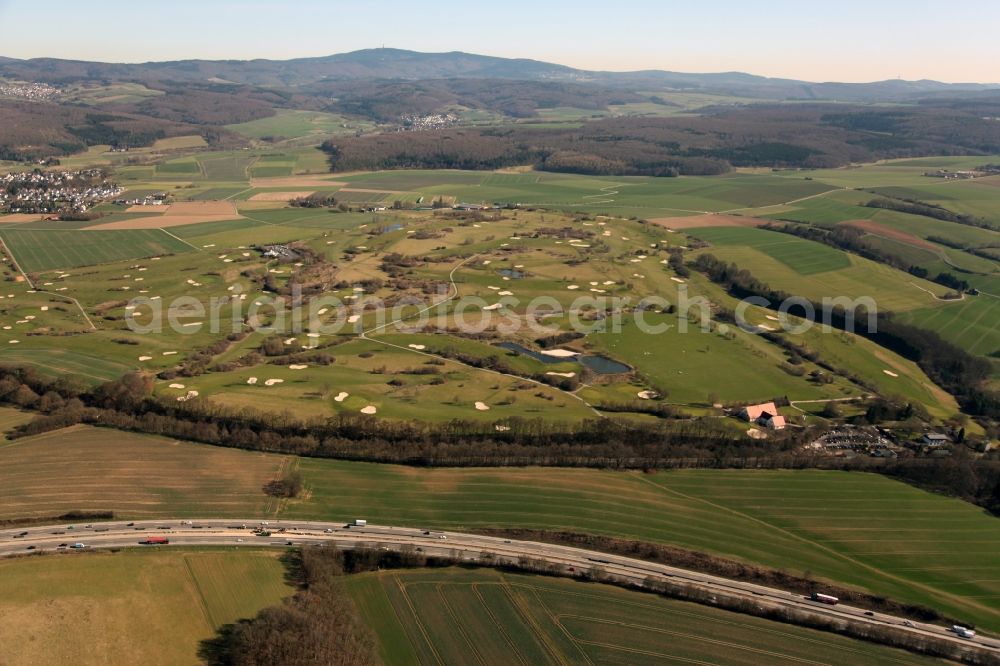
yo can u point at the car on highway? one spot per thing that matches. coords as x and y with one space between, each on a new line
869 614
32 547
63 545
907 623
78 545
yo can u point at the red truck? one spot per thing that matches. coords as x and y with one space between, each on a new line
155 541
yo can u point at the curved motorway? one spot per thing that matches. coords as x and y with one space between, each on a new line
235 532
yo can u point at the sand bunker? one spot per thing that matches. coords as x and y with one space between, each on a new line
648 395
251 381
890 373
298 366
418 347
177 386
482 406
560 353
567 375
272 382
342 396
370 409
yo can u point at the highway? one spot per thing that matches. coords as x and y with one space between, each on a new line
575 561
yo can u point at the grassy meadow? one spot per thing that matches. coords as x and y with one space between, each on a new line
104 608
461 616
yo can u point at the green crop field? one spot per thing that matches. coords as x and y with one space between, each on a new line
100 608
293 124
216 193
268 171
45 250
131 474
183 167
226 168
858 529
802 256
971 324
890 289
457 616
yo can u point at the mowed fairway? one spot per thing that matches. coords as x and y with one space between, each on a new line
90 469
49 249
100 608
465 617
853 528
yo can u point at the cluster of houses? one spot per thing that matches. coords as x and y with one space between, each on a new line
155 199
35 91
278 252
434 121
55 191
978 172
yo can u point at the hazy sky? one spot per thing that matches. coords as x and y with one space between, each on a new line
846 40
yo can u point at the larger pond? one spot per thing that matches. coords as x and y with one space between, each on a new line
602 365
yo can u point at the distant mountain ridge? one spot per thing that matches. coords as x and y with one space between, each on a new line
399 64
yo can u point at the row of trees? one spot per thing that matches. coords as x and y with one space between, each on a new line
127 404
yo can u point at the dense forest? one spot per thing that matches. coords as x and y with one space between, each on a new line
32 130
812 136
386 101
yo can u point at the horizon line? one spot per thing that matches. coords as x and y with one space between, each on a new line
988 84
